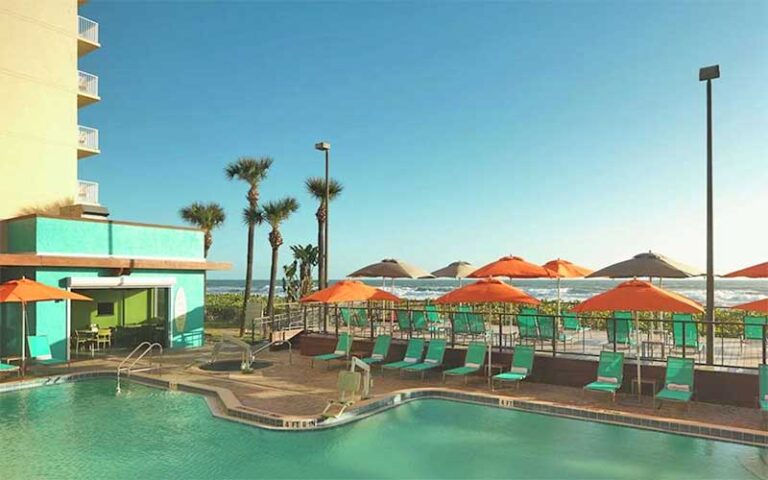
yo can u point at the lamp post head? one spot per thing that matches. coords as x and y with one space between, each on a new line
709 73
323 146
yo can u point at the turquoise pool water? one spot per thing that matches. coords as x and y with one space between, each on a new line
84 430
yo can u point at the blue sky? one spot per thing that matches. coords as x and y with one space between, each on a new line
460 130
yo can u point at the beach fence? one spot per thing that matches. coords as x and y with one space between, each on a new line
737 343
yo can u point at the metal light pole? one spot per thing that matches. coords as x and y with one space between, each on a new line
708 74
325 147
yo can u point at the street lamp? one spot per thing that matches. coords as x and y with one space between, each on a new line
707 74
325 147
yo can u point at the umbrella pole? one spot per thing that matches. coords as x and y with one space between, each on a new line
637 350
558 296
23 335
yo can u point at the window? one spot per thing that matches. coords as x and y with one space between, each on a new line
105 309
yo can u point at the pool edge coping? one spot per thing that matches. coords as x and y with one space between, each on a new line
224 404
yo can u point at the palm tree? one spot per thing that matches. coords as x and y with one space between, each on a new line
316 187
306 256
205 216
252 171
275 213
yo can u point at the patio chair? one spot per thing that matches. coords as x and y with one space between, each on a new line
678 382
343 346
610 374
763 374
434 358
40 351
685 333
476 324
419 322
380 350
473 361
753 329
412 355
7 368
572 326
434 321
619 330
104 338
528 325
348 385
346 317
362 317
461 322
521 368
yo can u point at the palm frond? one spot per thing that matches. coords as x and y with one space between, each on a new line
252 216
206 216
249 169
316 187
276 212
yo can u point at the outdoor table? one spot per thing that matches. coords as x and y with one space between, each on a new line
644 381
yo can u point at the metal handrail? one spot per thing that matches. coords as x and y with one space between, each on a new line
149 348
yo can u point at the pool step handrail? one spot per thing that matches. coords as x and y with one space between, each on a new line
147 348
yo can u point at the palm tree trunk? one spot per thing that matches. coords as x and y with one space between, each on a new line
248 277
272 279
208 243
320 254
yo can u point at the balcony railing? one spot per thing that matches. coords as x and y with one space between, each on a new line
88 139
88 84
87 29
88 192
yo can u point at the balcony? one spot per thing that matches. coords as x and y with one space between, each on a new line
87 192
87 142
87 36
87 89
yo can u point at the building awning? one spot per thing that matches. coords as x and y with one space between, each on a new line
35 260
120 282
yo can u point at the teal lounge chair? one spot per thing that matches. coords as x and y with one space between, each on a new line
473 361
753 328
763 374
433 319
380 350
548 330
7 368
362 317
678 383
343 346
610 374
685 333
527 325
434 358
412 355
522 366
404 320
572 325
476 324
40 350
623 330
419 321
346 317
461 322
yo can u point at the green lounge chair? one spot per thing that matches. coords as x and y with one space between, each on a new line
419 321
362 317
678 383
473 361
753 328
522 366
548 330
461 322
434 358
763 374
623 330
404 320
346 317
527 325
7 368
380 350
433 319
343 346
412 355
571 323
476 324
610 373
685 333
40 350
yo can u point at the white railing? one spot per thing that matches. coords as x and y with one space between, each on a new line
88 83
87 29
87 192
88 138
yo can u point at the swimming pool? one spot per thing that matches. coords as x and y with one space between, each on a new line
84 430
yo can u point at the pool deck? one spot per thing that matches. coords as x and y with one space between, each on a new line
292 395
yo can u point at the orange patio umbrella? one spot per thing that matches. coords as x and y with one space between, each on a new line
755 271
349 291
565 269
489 290
756 306
639 296
511 267
24 291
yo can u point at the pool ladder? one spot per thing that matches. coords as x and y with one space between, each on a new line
147 348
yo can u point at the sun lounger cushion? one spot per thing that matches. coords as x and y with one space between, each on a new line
678 388
520 370
607 379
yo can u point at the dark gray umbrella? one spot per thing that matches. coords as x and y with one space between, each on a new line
647 265
458 269
391 268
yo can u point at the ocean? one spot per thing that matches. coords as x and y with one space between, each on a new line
728 292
